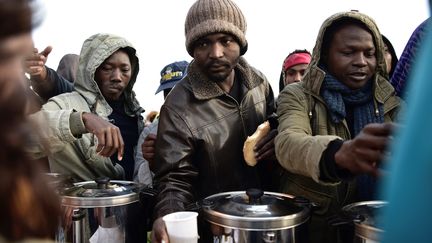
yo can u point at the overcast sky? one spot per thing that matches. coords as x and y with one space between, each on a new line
156 28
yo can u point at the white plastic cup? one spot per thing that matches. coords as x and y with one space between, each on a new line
182 227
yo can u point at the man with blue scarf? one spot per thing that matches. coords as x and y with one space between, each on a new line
335 125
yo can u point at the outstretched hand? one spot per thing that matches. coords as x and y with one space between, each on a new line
109 137
265 148
362 154
35 64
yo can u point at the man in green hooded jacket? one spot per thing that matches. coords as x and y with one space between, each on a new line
334 126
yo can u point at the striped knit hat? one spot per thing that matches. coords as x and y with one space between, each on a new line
215 16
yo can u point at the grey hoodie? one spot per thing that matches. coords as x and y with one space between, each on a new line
61 116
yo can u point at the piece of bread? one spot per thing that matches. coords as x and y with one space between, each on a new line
251 141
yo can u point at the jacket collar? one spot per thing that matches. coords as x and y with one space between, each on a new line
204 88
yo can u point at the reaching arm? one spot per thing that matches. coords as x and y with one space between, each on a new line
61 125
44 80
298 150
109 137
362 154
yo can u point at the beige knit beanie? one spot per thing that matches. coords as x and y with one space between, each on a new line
213 16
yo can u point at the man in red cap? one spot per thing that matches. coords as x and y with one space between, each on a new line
294 67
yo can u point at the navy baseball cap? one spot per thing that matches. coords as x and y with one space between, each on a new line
171 74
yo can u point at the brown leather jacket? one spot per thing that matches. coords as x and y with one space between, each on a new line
201 134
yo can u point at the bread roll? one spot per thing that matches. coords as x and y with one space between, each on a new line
251 141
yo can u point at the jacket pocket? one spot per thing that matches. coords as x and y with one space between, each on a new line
291 185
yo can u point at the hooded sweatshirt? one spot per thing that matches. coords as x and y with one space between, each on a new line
70 148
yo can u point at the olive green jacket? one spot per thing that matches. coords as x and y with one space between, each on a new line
70 148
305 128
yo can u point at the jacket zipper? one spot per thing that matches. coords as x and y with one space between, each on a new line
240 112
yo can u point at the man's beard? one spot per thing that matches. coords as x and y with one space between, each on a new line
218 77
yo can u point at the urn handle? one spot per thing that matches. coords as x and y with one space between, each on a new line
102 182
254 195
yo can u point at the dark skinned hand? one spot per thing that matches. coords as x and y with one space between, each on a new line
148 148
362 154
108 135
265 148
35 64
159 232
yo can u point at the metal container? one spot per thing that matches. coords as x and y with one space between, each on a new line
365 216
100 208
256 216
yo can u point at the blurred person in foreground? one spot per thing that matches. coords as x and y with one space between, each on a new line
208 115
294 67
406 217
334 126
29 211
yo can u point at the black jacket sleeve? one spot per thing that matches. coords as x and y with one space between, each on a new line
54 85
61 85
329 171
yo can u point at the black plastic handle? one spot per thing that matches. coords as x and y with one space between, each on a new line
102 182
254 195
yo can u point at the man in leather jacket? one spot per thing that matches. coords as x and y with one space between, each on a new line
208 115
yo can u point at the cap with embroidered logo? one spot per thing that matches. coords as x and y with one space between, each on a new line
171 74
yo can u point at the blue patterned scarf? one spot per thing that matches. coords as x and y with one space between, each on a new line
337 95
